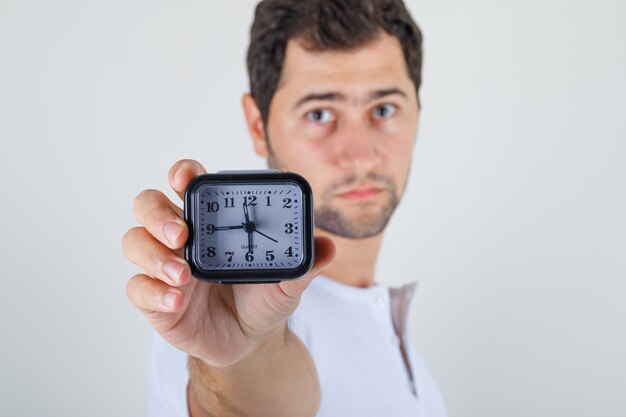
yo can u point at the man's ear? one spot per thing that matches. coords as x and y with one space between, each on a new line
255 125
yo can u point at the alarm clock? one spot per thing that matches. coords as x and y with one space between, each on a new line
249 226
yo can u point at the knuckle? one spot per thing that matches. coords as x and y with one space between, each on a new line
130 237
131 288
143 250
156 219
162 214
150 258
147 203
145 197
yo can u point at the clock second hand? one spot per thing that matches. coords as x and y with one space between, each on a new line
245 212
263 234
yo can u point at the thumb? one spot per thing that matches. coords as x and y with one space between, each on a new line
324 253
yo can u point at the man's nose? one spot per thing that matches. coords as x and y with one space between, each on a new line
358 148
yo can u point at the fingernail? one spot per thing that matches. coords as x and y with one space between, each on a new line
172 231
174 269
168 299
178 176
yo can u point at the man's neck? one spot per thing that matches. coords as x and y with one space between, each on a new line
355 259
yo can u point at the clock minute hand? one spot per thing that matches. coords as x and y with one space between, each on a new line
250 247
245 212
246 226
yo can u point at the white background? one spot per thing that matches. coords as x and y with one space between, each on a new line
513 222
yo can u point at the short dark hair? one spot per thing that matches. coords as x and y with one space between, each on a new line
323 25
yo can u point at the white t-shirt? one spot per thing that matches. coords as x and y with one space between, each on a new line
356 337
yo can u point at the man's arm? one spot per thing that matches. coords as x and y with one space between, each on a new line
248 361
277 378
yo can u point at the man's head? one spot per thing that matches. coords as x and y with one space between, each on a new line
334 97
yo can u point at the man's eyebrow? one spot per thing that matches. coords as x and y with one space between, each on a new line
335 96
329 96
387 92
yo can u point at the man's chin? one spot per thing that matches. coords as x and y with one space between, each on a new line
348 233
360 223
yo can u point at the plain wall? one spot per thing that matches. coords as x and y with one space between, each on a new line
513 221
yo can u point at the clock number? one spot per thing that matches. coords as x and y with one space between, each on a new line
211 251
210 229
287 202
230 256
269 255
249 201
213 207
288 228
249 257
267 203
229 202
289 252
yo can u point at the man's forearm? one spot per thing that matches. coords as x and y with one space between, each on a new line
277 379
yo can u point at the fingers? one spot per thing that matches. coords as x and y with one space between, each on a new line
157 247
149 295
163 219
324 253
182 172
141 248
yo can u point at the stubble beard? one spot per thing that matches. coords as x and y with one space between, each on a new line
365 219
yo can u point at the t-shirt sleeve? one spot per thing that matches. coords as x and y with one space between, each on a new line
432 401
168 377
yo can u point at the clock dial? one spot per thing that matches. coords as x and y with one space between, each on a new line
249 226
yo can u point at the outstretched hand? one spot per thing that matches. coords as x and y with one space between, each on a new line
217 323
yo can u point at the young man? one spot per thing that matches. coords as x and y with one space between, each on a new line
334 97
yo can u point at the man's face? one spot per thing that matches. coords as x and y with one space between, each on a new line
347 122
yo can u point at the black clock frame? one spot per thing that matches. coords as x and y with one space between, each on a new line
250 276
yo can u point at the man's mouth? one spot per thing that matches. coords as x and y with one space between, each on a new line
361 193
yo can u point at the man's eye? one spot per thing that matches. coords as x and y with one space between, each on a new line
320 116
385 111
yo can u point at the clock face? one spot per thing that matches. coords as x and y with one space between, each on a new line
249 226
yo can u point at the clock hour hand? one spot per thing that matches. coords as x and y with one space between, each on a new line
211 228
228 227
263 234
